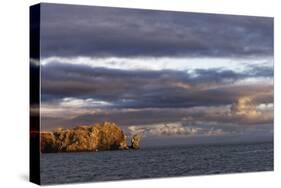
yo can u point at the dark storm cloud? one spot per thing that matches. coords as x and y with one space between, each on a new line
144 89
222 75
69 30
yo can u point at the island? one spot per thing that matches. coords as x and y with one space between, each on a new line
97 137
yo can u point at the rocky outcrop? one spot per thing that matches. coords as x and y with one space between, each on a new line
48 142
135 142
105 136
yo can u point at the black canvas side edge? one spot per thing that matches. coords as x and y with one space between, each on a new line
34 94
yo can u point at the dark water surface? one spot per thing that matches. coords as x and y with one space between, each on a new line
167 161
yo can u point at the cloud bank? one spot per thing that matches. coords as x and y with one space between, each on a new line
101 32
158 73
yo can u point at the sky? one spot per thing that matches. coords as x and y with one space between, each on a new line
172 77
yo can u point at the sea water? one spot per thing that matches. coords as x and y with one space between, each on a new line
164 161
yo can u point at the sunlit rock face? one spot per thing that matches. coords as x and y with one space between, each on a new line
105 136
135 142
48 142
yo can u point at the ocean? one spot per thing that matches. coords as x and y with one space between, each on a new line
153 162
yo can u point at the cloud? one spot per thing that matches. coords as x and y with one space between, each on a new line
245 107
265 107
69 30
146 88
248 111
156 72
75 102
167 63
81 94
218 117
173 129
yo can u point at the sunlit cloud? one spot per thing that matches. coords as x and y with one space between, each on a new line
72 107
245 107
187 64
173 129
76 102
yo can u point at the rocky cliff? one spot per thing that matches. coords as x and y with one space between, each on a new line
105 136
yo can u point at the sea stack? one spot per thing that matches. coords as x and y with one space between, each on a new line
98 137
135 142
